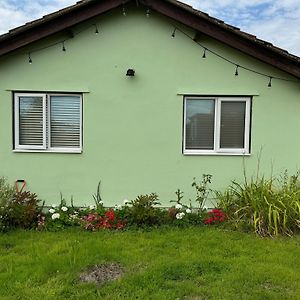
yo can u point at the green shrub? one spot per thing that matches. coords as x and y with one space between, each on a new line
7 191
142 211
20 211
268 206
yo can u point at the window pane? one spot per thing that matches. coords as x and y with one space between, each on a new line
200 119
31 121
65 121
232 131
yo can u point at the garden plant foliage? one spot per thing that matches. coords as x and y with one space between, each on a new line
268 206
18 209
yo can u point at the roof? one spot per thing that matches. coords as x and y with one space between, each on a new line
65 19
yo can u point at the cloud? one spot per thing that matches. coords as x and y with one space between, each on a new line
14 13
276 21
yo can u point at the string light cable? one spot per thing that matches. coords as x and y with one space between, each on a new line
237 65
175 30
62 42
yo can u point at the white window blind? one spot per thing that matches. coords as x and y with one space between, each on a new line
65 121
48 122
31 121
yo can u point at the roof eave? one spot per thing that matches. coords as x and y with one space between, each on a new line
180 12
45 27
263 52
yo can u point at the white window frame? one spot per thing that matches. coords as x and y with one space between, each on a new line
46 147
217 126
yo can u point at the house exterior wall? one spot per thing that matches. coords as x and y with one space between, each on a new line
132 127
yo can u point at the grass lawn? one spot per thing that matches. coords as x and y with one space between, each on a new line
169 263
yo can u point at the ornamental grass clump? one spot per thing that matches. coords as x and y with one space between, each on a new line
268 206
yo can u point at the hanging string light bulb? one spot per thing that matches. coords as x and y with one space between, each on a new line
148 13
237 70
124 11
173 34
96 29
29 58
270 81
204 53
63 47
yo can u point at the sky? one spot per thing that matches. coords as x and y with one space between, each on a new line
275 21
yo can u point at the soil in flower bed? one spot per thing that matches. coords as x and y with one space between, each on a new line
101 274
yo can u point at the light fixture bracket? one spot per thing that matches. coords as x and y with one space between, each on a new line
130 72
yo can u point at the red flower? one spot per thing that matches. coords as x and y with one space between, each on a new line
208 221
215 216
108 221
110 215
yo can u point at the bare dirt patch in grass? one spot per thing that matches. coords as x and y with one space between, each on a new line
103 273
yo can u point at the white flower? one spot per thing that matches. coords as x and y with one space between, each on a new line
126 201
188 211
92 207
64 208
55 216
51 211
178 206
53 205
101 202
118 207
179 216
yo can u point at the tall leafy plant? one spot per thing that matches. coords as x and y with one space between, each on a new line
269 206
202 190
97 197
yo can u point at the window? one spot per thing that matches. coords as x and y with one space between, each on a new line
216 125
48 122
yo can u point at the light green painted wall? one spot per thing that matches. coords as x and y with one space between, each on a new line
133 126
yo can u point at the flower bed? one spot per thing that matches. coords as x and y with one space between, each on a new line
270 207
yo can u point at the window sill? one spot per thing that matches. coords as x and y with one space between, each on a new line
215 154
48 151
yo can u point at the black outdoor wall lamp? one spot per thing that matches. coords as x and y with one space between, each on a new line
130 72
